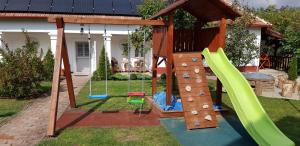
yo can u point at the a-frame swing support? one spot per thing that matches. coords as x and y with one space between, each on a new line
61 54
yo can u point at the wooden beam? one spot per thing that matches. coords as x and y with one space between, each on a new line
222 39
56 76
68 75
222 33
154 74
113 21
169 79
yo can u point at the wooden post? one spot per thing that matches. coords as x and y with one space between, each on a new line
222 38
68 74
56 76
154 74
169 79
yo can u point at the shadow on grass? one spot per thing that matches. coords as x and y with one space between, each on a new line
7 114
294 106
289 125
90 111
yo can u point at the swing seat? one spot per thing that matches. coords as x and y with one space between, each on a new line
104 96
140 94
135 101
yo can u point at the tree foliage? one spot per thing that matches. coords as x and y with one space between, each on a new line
48 65
293 69
285 20
240 42
182 19
100 74
21 71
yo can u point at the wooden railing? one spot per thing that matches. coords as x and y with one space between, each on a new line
280 63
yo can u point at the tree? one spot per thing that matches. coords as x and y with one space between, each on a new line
48 65
293 69
100 74
286 21
240 43
182 19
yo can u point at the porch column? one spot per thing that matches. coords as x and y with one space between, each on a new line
1 37
1 43
94 56
107 45
53 39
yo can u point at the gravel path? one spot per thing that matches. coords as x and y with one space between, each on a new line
30 125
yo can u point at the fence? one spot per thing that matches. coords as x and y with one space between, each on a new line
280 63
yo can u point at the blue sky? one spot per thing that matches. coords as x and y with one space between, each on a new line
265 3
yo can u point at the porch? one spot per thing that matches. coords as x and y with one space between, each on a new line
78 49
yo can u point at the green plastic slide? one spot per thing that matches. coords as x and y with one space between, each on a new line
247 106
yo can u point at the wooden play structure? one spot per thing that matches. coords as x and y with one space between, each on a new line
168 43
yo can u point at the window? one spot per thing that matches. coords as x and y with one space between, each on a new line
82 49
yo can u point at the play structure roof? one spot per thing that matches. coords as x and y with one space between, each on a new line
82 7
204 10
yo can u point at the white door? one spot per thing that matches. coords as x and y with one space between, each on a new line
82 58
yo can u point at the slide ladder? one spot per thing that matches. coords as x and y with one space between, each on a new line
245 102
194 91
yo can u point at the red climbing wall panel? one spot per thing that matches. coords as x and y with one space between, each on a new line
194 91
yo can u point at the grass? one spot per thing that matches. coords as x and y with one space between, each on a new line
139 136
117 90
9 107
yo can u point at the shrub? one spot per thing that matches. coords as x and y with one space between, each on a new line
21 71
119 77
163 77
293 69
48 65
140 76
99 74
133 77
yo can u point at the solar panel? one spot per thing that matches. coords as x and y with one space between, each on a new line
17 5
103 7
135 4
2 4
40 6
62 6
122 7
83 6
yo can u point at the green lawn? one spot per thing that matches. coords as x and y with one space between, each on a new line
117 90
141 136
284 113
9 107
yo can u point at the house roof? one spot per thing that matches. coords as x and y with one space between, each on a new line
79 7
259 22
204 10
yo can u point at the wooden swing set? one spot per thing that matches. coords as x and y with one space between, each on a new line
166 41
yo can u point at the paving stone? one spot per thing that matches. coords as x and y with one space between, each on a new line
29 126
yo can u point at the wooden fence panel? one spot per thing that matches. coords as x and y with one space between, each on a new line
280 63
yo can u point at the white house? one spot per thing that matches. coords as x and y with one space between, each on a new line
12 28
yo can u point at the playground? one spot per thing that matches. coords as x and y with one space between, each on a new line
185 108
183 52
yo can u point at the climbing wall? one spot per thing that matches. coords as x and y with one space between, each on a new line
194 91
